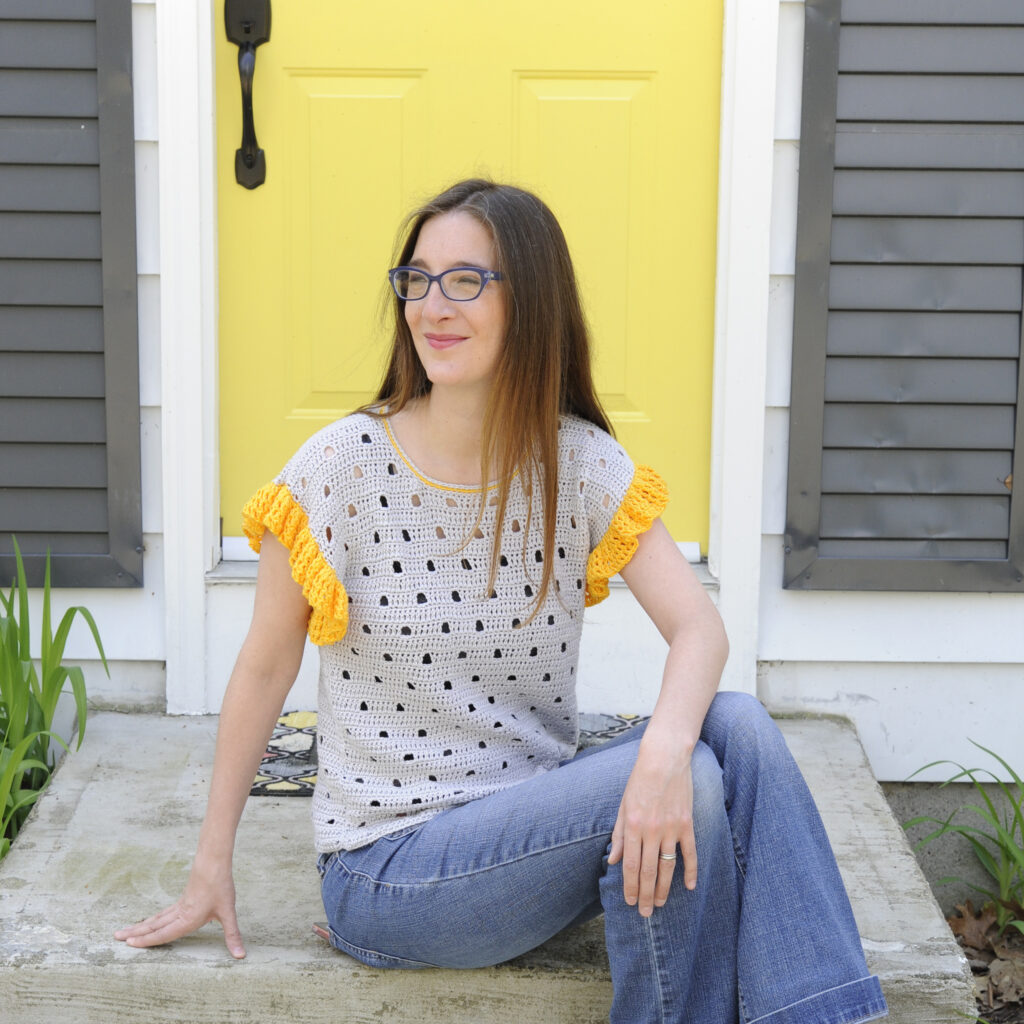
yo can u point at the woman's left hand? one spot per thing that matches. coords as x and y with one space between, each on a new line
656 813
655 816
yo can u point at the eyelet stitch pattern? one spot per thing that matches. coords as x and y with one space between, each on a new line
451 693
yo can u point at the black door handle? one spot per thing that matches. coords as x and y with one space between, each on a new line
247 23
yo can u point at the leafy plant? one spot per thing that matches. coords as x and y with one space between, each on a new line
996 835
29 693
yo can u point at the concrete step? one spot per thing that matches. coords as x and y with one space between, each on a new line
111 841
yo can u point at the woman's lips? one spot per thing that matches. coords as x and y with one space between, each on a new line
442 341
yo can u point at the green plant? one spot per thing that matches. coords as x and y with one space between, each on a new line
29 696
996 835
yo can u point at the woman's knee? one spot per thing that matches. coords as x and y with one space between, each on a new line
708 793
738 722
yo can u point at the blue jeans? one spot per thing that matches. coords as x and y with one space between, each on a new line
767 935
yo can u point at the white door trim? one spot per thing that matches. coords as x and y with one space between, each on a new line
188 338
749 58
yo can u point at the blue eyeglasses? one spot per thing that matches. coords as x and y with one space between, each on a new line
460 284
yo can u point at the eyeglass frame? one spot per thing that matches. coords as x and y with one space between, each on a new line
485 275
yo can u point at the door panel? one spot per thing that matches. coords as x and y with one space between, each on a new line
608 111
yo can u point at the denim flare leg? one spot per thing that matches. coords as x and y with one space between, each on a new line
767 936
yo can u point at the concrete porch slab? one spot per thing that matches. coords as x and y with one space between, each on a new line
111 841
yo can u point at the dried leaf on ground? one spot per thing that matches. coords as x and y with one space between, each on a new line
1009 948
973 927
1007 977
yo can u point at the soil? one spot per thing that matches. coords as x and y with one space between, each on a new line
1012 1014
997 962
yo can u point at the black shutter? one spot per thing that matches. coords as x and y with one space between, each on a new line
904 428
69 391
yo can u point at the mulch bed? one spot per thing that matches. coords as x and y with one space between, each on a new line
997 961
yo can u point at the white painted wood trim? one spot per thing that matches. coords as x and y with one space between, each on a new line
749 59
188 319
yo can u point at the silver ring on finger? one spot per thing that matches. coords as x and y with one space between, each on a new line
667 856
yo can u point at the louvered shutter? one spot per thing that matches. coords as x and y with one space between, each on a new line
906 383
69 392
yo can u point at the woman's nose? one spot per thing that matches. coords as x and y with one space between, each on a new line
436 304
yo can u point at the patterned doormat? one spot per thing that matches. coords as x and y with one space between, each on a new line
289 766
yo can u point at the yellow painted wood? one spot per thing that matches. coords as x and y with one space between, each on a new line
607 110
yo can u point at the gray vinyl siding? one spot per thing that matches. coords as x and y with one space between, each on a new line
70 476
906 385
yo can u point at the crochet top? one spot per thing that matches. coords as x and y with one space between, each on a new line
432 692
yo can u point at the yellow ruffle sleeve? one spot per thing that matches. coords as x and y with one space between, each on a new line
273 508
644 501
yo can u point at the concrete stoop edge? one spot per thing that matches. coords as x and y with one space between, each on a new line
111 841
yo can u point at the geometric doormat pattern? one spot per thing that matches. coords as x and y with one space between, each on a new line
289 766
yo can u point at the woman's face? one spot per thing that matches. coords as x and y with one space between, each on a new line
458 343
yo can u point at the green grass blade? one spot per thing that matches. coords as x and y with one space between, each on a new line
81 706
52 687
56 652
17 810
17 764
925 819
25 651
59 641
29 695
987 893
1010 848
18 708
91 622
8 662
931 764
1009 771
46 637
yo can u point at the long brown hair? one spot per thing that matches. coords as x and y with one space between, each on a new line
544 367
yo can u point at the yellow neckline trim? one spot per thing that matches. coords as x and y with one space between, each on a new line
426 479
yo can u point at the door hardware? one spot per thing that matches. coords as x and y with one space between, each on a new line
247 23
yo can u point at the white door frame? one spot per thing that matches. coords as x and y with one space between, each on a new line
188 337
749 65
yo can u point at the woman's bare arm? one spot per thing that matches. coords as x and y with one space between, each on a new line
656 813
263 674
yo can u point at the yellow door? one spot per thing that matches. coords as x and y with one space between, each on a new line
608 110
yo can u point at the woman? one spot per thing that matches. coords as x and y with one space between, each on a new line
440 546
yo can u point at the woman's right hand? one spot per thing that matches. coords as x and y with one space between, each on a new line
264 672
209 896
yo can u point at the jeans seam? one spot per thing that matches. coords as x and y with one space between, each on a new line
353 949
354 873
657 959
872 1015
744 1016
